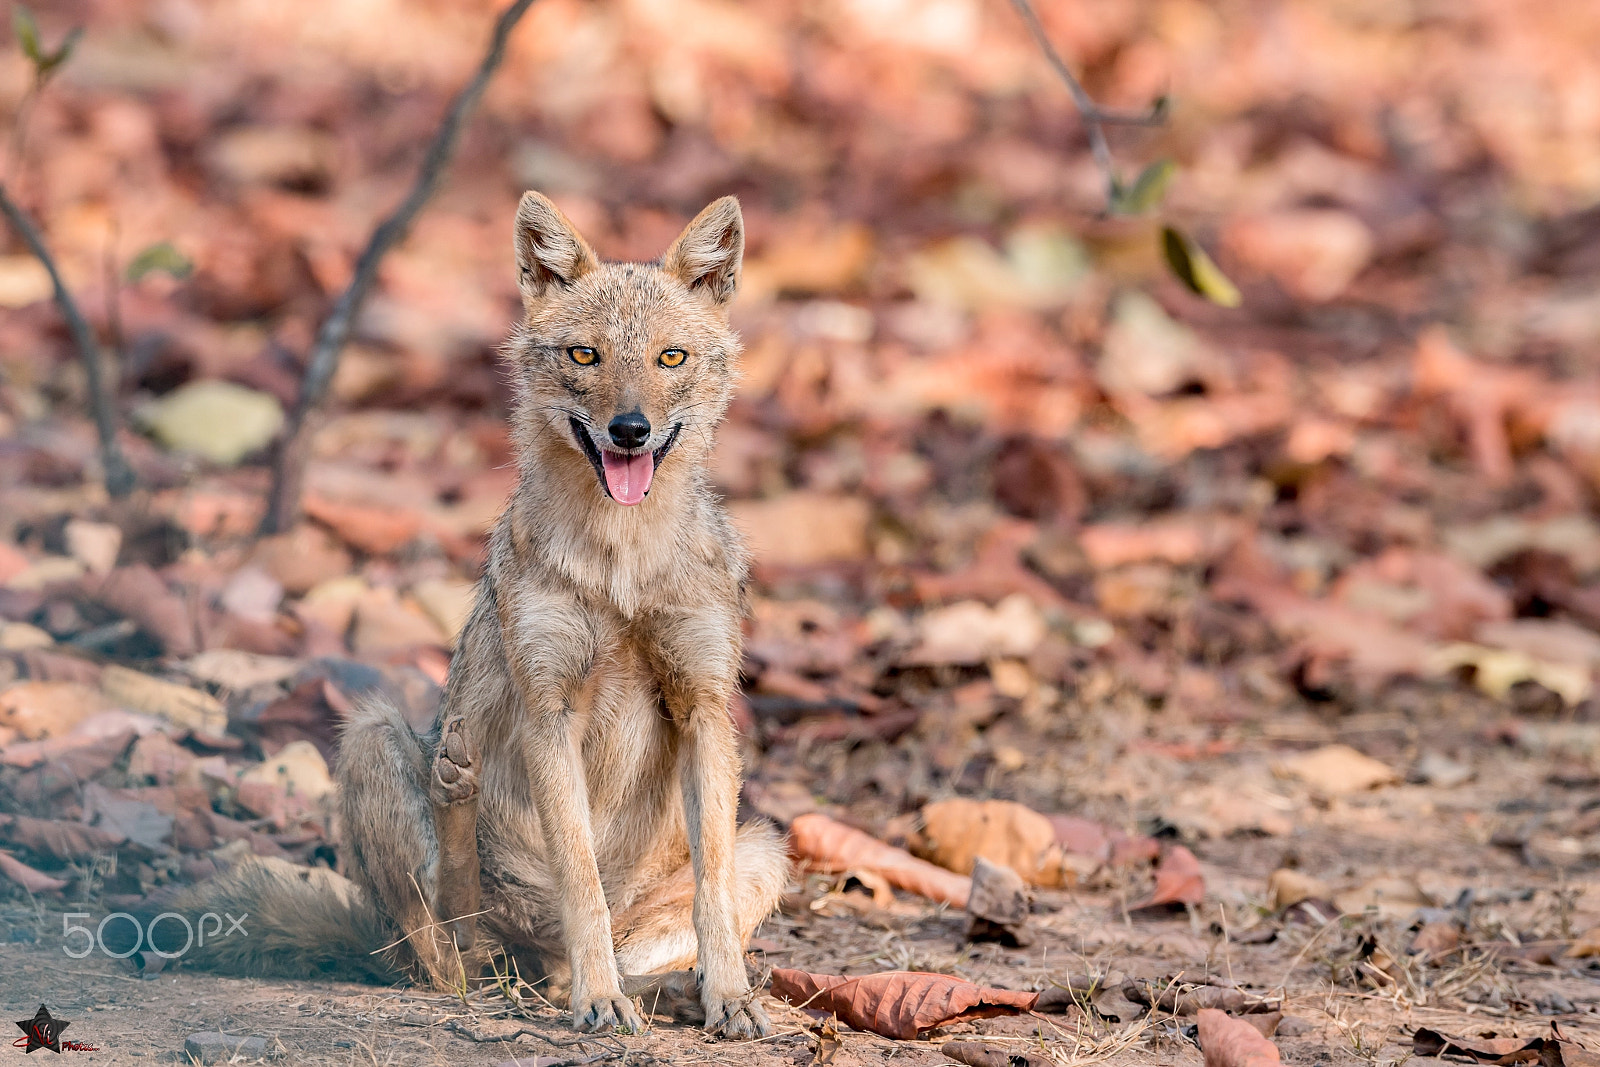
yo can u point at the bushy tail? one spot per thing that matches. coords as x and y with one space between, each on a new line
292 922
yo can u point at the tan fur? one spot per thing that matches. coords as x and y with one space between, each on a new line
595 672
573 808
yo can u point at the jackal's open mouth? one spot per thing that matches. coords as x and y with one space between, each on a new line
625 477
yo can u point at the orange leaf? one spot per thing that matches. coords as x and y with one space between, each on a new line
1229 1042
829 845
898 1004
1178 880
28 878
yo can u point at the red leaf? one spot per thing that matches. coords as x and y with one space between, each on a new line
898 1004
829 845
1178 880
28 878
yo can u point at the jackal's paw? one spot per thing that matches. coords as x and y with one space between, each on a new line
740 1018
598 1015
455 768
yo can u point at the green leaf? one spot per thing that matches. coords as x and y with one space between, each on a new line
161 257
27 31
1147 189
1196 270
63 53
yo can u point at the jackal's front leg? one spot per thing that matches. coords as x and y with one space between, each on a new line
710 772
549 662
704 661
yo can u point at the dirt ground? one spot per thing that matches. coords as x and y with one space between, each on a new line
1296 571
1495 850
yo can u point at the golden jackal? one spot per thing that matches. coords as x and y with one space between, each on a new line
573 808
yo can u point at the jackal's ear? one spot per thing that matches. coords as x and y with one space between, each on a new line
549 250
709 252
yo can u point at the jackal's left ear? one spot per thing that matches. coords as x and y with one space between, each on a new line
709 252
549 250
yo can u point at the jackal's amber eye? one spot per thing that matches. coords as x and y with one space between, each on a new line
582 355
673 357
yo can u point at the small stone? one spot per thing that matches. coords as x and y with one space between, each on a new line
212 1047
999 905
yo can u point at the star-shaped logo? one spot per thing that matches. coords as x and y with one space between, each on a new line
43 1030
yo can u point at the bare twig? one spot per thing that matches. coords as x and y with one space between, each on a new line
283 506
118 475
1095 118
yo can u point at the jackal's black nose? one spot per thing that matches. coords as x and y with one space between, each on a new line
630 430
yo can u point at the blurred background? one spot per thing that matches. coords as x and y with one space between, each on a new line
1032 518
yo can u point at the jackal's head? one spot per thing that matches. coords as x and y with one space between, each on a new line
631 365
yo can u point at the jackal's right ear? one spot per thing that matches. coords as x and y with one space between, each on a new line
549 250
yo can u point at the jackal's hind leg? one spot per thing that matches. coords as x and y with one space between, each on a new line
453 793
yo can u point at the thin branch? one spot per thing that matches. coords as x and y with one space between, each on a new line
118 475
283 506
1095 118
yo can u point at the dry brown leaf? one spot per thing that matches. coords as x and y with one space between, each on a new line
1337 770
1587 944
48 709
1546 1051
898 1004
137 592
829 845
1229 1042
178 704
1286 888
28 878
1178 880
956 832
64 840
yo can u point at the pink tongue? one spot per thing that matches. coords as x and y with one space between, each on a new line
628 477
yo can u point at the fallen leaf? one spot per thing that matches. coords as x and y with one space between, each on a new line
94 544
48 709
1389 896
448 602
1178 880
1286 888
23 281
127 817
137 592
1545 1051
803 529
1314 254
178 704
1229 1042
1338 770
972 633
897 1004
298 769
302 559
829 845
1437 939
374 530
955 833
58 838
1587 945
29 879
220 421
